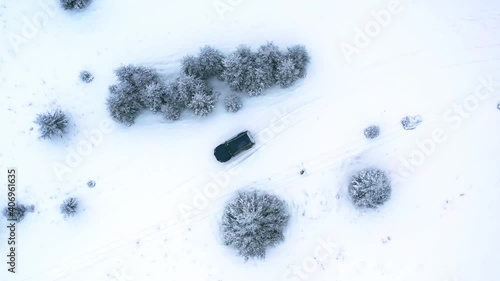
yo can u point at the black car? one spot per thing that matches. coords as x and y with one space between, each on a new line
243 141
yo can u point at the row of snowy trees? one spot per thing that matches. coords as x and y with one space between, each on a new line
244 71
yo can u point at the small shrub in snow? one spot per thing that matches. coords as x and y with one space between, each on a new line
52 123
69 207
369 188
253 222
91 184
233 103
170 111
498 106
411 122
124 104
208 64
372 132
86 76
75 4
17 212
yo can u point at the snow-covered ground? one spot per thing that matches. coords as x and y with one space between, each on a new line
430 58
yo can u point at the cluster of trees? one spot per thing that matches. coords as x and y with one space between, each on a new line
69 207
141 88
254 221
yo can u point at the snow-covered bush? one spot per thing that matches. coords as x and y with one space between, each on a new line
69 207
75 4
411 122
52 123
185 89
124 103
233 103
372 132
203 102
17 212
154 96
253 222
369 188
170 112
208 64
86 76
292 66
91 183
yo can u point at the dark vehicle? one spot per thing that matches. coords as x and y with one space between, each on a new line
243 141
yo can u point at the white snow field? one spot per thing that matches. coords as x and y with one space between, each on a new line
159 194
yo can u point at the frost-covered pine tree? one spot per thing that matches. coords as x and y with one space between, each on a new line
139 77
239 69
211 62
208 64
268 58
253 222
287 74
17 212
185 89
233 103
154 96
300 58
52 123
171 111
203 102
75 4
69 207
190 66
124 103
369 188
372 132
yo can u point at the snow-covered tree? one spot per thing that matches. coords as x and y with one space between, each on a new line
17 212
369 188
211 62
268 58
411 122
75 4
203 102
300 58
292 66
139 77
86 76
154 96
208 64
253 222
286 74
372 132
185 88
124 103
233 103
239 70
52 123
69 207
171 111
